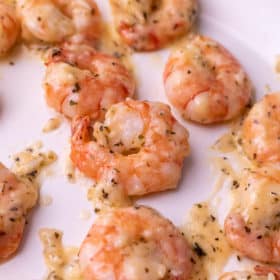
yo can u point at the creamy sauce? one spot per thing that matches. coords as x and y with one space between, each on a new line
277 65
225 144
28 163
62 262
211 250
98 195
111 43
46 200
69 170
52 124
85 214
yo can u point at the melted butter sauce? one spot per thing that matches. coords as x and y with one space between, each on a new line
110 43
62 262
211 250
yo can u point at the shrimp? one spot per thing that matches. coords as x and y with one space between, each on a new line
261 132
54 21
205 83
9 27
139 141
252 226
134 243
16 199
150 24
80 81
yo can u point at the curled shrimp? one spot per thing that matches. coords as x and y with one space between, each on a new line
53 21
261 133
140 142
80 81
9 27
252 226
16 199
205 83
132 244
151 24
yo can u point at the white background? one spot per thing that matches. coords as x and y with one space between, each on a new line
249 28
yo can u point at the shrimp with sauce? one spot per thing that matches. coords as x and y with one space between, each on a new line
134 243
80 81
139 141
54 21
150 24
9 27
16 199
205 83
252 226
261 134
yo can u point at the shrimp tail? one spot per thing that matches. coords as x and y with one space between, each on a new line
80 130
265 270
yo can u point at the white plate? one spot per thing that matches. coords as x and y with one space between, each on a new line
250 29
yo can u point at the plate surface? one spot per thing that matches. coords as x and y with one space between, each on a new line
250 29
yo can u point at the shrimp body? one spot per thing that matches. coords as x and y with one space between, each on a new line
150 24
80 81
9 27
252 226
133 244
139 141
205 83
16 199
53 21
261 131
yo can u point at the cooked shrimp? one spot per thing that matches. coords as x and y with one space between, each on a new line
150 24
9 27
134 244
252 227
261 131
80 81
205 83
140 141
16 199
53 21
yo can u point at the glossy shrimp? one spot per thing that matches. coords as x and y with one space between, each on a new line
133 244
80 81
252 226
53 21
140 142
261 132
205 83
16 199
150 24
9 27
